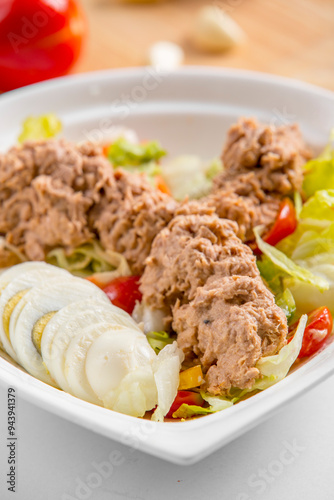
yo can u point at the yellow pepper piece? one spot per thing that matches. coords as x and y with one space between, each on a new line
193 377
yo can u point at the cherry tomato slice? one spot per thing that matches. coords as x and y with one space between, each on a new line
185 397
319 327
124 292
285 223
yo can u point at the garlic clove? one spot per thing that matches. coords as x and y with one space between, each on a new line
165 56
216 31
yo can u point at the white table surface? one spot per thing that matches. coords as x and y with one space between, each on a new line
56 458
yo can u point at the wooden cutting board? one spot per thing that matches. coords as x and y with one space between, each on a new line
287 37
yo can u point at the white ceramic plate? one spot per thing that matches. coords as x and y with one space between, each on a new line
189 112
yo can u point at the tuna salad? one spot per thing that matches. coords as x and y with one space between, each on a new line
167 288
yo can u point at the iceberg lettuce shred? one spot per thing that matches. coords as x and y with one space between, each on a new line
189 175
90 260
216 403
311 247
288 266
159 340
287 303
275 368
123 153
320 170
40 127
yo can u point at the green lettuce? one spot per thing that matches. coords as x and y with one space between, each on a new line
123 153
272 274
320 170
90 260
288 266
311 247
319 209
188 175
159 340
298 202
286 302
216 403
40 127
274 368
275 279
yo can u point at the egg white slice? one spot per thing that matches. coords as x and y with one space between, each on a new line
16 271
37 303
75 359
27 277
58 324
71 321
119 369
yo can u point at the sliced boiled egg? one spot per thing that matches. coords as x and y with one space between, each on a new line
119 369
71 321
22 278
75 359
34 305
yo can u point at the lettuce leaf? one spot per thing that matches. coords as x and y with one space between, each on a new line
275 279
159 340
216 404
123 153
287 265
298 202
188 175
320 171
90 260
272 274
307 297
311 247
286 302
274 368
319 208
40 127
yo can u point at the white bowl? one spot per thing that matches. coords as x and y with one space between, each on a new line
189 111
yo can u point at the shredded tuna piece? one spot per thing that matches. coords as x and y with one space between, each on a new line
262 165
46 191
208 283
130 216
228 326
186 253
55 193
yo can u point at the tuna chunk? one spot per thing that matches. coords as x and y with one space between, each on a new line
242 201
262 165
187 252
230 323
129 217
46 191
206 280
275 154
55 193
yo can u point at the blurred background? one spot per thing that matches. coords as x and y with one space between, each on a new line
291 38
40 39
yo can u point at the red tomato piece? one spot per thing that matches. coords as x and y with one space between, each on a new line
319 327
285 223
185 397
124 292
39 39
